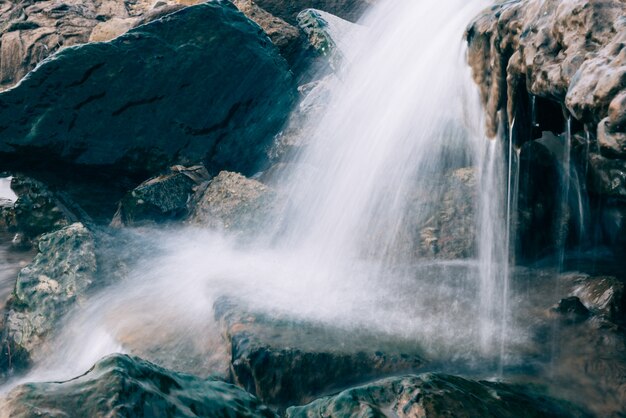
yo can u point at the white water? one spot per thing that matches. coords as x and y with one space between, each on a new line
5 189
404 115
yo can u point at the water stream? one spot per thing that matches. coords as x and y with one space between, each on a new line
403 117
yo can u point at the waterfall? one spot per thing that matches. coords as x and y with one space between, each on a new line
403 115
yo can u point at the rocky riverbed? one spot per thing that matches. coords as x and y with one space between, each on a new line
144 149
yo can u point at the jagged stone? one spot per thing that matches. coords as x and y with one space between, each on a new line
120 385
58 277
567 51
37 210
285 36
288 10
607 176
161 198
232 202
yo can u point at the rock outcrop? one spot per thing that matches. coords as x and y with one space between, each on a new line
285 362
288 10
161 198
434 395
121 385
569 52
203 84
58 277
232 202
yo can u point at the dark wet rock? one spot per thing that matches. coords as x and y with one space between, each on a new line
288 10
567 51
58 278
285 36
285 362
572 309
161 198
38 210
449 232
7 215
232 202
328 35
607 176
235 94
432 395
120 385
603 295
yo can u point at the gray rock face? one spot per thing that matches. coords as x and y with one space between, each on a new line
161 198
433 395
567 51
202 84
232 202
608 176
286 362
57 278
120 385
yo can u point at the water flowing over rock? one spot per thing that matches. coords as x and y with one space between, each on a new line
117 107
121 385
286 362
436 395
567 51
58 277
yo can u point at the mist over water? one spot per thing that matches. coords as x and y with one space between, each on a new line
403 114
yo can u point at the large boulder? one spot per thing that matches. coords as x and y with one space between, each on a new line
58 277
285 361
434 395
119 385
203 84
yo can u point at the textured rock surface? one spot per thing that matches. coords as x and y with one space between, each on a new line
57 278
288 10
435 396
233 92
122 386
449 232
285 36
161 198
286 362
37 210
232 202
568 51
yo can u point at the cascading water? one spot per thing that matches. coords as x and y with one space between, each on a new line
403 116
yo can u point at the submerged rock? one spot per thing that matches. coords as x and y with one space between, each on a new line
232 202
120 385
58 277
116 107
161 198
285 362
434 395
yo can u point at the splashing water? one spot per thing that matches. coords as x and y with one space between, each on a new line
404 115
